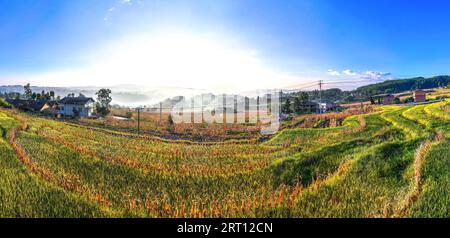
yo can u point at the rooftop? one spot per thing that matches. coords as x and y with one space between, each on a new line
76 100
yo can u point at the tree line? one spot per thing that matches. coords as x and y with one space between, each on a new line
301 104
401 85
102 107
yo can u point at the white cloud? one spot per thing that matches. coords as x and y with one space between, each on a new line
375 75
349 72
116 7
369 75
333 72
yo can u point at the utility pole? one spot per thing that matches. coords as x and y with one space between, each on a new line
160 113
320 93
281 104
235 109
139 120
257 109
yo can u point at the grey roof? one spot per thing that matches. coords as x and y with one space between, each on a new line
38 105
35 105
76 100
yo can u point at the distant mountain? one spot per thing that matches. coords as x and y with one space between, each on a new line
365 92
401 85
133 95
124 95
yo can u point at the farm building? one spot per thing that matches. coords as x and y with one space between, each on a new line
312 107
32 105
327 107
76 106
420 96
388 99
50 108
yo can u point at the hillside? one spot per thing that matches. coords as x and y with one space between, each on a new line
401 85
392 162
365 92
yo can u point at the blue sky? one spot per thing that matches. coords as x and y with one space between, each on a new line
272 43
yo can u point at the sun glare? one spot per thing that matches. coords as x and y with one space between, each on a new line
174 60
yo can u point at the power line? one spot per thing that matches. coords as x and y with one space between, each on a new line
308 85
300 89
302 85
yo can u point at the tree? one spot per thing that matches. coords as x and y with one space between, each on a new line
304 99
28 91
297 105
45 96
104 99
13 95
287 107
301 103
129 115
52 94
170 123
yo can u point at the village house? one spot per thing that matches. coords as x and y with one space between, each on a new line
32 105
50 108
311 107
76 106
388 99
420 96
325 107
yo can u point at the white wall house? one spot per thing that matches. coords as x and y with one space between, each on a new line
326 107
70 106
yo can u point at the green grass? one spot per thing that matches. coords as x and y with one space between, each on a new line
434 199
374 178
4 103
411 129
317 164
437 110
24 195
363 168
120 185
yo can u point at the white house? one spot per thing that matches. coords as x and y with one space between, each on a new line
326 107
71 106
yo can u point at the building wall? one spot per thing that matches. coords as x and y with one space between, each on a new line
388 100
45 107
85 110
420 98
325 107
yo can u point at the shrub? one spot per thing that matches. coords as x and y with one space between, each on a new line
4 103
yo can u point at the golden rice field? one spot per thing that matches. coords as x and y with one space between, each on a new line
156 124
389 162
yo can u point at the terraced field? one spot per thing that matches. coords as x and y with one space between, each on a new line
389 163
